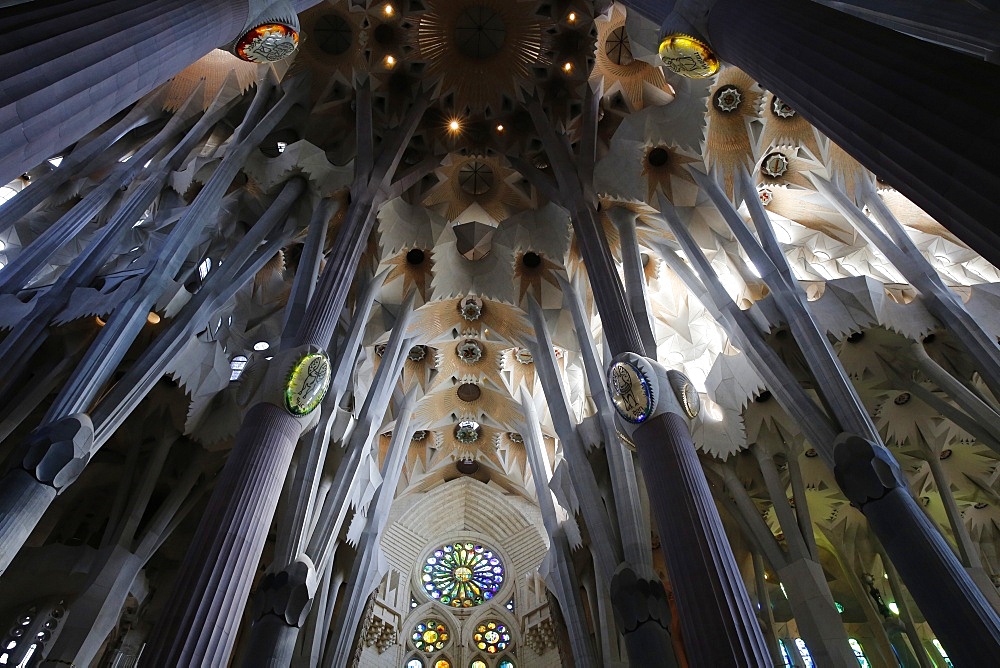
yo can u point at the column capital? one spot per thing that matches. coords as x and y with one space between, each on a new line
865 471
288 594
638 600
58 451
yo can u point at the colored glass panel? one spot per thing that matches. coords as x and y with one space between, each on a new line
462 575
492 636
429 635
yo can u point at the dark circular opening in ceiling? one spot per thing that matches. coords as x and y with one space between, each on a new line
479 32
475 177
467 466
415 256
531 260
384 33
469 392
763 396
658 157
333 34
854 337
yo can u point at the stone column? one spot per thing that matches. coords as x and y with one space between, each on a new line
69 65
66 66
958 612
201 618
919 115
707 583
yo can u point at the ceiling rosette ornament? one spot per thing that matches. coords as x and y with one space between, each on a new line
480 50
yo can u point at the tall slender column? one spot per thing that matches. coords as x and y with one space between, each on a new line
965 622
561 577
917 114
708 587
202 616
68 65
968 29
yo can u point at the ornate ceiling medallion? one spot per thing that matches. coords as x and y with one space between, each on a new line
688 56
728 99
481 50
523 355
307 384
469 351
781 108
471 308
267 43
417 353
639 83
775 164
630 392
467 432
765 195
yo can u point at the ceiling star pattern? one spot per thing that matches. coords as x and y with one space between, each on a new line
480 50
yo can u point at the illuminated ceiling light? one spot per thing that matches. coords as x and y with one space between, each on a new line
567 67
388 10
99 321
153 318
390 62
572 17
500 127
261 345
454 125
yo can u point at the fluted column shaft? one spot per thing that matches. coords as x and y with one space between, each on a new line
706 582
202 616
920 116
69 65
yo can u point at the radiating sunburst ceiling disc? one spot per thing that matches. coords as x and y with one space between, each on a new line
480 49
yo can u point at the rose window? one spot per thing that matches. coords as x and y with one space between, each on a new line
492 637
429 636
463 575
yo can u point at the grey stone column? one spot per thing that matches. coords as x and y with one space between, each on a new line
961 27
69 65
964 621
198 629
917 114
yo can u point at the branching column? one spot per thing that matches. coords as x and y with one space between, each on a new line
707 583
919 115
201 618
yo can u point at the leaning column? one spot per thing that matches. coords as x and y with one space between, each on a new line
917 114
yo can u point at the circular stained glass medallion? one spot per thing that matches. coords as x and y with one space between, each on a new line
267 43
429 635
492 636
630 392
307 384
462 575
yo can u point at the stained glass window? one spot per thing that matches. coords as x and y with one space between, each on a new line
442 663
807 659
859 653
429 635
940 649
462 575
492 637
784 653
506 663
414 663
478 663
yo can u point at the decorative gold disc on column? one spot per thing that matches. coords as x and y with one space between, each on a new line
267 43
688 56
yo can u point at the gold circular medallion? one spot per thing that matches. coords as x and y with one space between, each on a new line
688 56
267 43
